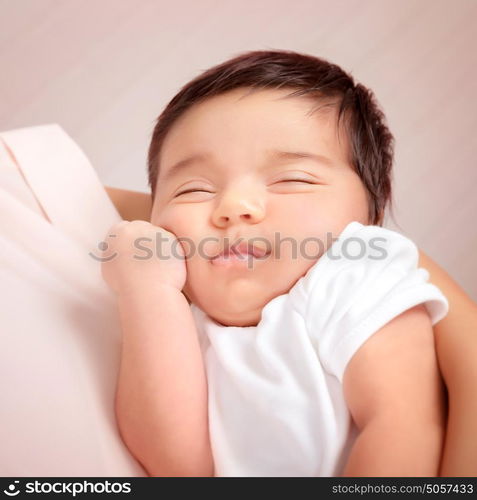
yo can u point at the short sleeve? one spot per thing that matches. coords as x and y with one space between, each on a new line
372 278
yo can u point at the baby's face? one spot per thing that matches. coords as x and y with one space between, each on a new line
243 190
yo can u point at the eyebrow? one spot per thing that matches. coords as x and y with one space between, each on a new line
273 155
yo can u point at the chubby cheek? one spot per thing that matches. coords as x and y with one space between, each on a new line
167 218
305 221
179 220
354 200
314 222
189 224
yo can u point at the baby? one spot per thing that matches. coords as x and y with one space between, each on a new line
272 326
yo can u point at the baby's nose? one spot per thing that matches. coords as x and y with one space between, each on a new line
237 209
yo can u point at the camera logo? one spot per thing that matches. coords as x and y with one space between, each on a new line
12 489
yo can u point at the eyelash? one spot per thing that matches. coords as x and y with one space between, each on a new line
204 191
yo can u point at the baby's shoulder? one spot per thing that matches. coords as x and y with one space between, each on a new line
363 260
361 250
362 243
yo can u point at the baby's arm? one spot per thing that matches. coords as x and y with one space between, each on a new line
161 400
395 394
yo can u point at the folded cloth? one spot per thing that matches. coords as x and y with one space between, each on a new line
60 332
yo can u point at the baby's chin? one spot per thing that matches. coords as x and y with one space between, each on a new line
245 310
231 318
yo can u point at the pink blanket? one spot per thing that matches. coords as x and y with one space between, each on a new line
60 336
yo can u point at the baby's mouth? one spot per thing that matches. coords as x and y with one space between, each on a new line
240 253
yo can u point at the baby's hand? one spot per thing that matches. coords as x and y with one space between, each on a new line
139 255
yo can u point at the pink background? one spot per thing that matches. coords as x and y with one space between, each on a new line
104 70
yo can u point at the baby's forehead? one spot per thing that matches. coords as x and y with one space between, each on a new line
219 133
268 159
223 130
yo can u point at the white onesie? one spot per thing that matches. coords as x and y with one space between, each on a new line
276 403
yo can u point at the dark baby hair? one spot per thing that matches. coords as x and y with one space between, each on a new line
370 143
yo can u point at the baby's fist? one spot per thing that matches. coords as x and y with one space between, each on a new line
139 254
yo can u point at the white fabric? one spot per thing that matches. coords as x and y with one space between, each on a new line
60 335
276 403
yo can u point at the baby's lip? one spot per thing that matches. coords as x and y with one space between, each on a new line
243 248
